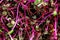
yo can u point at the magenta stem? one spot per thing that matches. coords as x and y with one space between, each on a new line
55 27
10 37
32 36
1 1
16 18
45 18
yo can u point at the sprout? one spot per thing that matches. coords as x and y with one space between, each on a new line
42 3
21 38
27 17
46 32
13 22
15 39
4 13
4 7
10 25
9 18
10 32
39 5
37 28
25 1
47 21
7 5
0 30
55 13
32 23
21 29
59 12
34 17
37 1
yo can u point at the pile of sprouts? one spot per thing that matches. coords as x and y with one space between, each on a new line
29 19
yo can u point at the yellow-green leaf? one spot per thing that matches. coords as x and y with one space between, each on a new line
10 32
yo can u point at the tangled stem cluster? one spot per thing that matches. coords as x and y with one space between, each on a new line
29 19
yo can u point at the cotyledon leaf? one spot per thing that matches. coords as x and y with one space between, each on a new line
55 13
0 30
37 1
10 32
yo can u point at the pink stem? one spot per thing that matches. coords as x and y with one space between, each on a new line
32 33
55 27
1 1
32 36
16 18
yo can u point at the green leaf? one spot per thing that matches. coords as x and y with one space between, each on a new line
10 25
4 13
54 13
10 32
37 1
0 30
